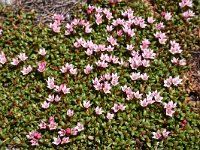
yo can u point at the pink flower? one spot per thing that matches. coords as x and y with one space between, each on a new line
107 87
1 31
42 51
57 140
148 54
98 110
144 103
51 119
150 20
158 98
109 116
144 76
50 98
129 47
50 83
74 131
121 107
98 18
149 99
169 112
42 125
26 70
52 126
88 69
45 105
41 66
115 108
188 14
109 28
86 104
160 26
115 79
15 61
165 133
185 3
79 127
137 95
70 113
57 98
176 81
170 105
62 132
58 17
22 56
3 58
168 82
65 140
73 71
65 90
112 40
175 47
157 135
66 68
135 76
34 137
168 16
146 63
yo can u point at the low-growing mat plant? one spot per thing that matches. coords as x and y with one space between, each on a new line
112 78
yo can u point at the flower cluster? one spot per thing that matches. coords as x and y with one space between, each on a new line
151 98
105 86
20 58
179 62
175 48
172 81
55 26
159 135
169 108
189 13
34 137
162 38
130 93
70 68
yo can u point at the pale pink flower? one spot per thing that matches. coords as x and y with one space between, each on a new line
165 133
158 98
34 137
52 126
115 108
41 66
170 105
131 32
175 47
169 112
188 14
62 132
50 82
168 82
157 135
159 25
98 86
107 87
185 3
15 61
58 17
146 63
80 127
3 58
121 107
109 116
149 99
109 48
112 40
175 60
50 98
26 70
98 18
55 26
57 140
89 52
70 113
57 98
86 104
144 76
65 140
22 56
51 119
42 125
42 51
45 105
137 95
135 76
129 47
109 28
144 103
176 81
150 20
1 31
182 62
73 71
168 16
65 90
74 131
98 110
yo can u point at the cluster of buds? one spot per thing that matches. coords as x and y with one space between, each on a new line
151 98
169 108
160 135
75 23
172 81
175 47
69 67
55 26
34 137
129 93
